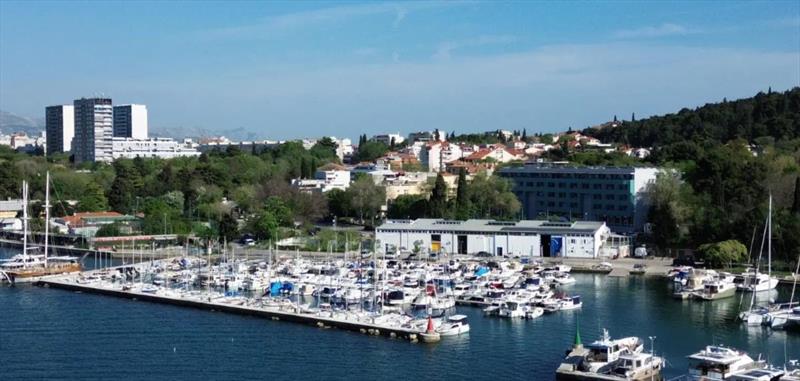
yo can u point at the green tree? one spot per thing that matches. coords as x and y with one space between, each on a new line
409 206
437 204
228 227
668 213
723 253
366 198
796 203
93 199
371 150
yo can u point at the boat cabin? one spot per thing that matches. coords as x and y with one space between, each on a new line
718 363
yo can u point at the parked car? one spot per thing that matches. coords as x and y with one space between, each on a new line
483 254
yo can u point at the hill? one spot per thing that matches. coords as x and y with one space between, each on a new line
771 114
15 123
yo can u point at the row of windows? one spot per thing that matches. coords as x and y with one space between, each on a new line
610 196
614 176
542 184
575 205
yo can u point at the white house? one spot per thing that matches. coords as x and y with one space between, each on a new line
435 155
326 178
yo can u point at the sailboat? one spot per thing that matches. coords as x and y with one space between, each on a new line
28 267
753 279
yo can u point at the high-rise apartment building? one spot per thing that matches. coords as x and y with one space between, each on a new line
93 130
60 128
130 121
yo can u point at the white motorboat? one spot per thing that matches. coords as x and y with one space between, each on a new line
715 363
534 312
563 304
720 287
453 326
757 282
609 359
513 309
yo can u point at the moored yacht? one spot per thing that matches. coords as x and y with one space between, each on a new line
720 287
718 363
454 325
611 360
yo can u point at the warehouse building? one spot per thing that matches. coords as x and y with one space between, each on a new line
581 239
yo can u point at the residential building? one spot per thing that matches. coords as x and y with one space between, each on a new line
59 127
130 121
435 155
88 223
497 153
389 139
611 194
427 136
93 130
583 239
378 172
328 177
161 148
222 144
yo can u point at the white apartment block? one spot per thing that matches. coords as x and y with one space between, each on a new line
435 155
60 128
161 148
130 121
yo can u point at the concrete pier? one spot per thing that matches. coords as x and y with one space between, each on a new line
69 283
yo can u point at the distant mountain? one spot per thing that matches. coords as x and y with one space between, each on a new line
195 132
10 123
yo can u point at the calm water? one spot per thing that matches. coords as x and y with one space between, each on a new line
55 334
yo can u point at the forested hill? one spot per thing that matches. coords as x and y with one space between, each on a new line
771 114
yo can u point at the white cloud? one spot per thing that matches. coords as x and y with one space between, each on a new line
268 26
663 30
446 49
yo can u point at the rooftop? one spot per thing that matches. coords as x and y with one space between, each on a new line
530 226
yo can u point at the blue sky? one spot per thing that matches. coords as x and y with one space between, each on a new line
294 69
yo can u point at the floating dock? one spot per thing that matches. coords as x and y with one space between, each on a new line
69 283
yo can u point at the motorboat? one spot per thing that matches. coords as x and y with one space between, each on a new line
513 309
719 287
454 325
610 359
754 281
638 366
563 304
715 363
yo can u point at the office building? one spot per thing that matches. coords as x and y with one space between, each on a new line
585 239
130 121
615 195
60 128
93 130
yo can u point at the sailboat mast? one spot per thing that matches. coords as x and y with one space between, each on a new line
25 223
46 215
795 275
769 240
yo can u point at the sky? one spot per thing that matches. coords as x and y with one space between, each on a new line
284 70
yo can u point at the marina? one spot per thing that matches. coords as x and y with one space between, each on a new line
515 348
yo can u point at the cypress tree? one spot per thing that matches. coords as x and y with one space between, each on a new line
461 192
438 200
796 205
